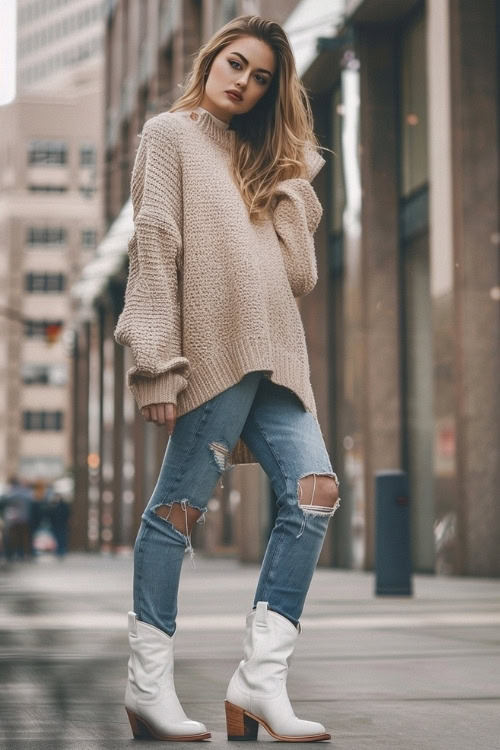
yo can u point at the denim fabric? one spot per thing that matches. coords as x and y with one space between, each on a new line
287 441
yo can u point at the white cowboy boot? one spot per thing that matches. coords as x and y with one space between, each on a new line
257 690
150 699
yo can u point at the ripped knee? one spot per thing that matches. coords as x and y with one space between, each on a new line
319 494
182 516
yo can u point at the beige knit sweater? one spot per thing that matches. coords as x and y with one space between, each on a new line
211 296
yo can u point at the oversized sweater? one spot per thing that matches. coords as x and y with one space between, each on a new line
210 296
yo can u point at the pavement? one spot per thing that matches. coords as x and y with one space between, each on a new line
420 672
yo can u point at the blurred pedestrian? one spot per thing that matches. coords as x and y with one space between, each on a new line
38 512
3 491
224 218
16 516
58 513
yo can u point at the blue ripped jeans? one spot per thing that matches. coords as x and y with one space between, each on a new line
287 441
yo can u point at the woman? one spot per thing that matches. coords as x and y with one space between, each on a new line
224 217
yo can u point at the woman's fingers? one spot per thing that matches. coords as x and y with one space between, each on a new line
171 415
161 414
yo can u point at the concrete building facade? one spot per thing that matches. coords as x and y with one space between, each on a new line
50 223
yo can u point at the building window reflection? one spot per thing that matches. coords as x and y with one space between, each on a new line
43 420
53 153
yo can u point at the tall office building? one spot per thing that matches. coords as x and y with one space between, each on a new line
58 42
50 221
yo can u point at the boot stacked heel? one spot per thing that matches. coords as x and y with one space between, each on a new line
240 726
139 729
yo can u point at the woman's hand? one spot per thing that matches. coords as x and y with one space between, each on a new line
161 414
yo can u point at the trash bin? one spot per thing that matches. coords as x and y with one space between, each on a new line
392 534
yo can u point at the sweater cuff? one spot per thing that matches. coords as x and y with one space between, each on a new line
163 389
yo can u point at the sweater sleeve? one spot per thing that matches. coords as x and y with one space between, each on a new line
295 219
150 322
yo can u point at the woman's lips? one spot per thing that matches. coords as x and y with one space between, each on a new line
233 97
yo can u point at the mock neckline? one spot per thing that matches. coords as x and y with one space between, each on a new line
204 120
220 123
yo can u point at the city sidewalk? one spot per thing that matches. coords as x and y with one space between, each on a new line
414 673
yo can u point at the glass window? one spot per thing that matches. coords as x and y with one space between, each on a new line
32 420
87 155
55 282
44 374
43 420
42 329
44 282
48 188
46 236
48 152
89 238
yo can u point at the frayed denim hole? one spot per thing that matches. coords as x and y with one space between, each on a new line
309 509
184 503
221 455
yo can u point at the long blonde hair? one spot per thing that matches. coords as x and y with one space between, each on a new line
272 138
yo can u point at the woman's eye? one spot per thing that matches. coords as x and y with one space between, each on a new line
262 81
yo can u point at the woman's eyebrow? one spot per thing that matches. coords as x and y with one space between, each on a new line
263 70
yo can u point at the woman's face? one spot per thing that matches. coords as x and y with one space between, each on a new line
246 65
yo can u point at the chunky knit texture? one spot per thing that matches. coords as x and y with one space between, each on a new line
211 296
